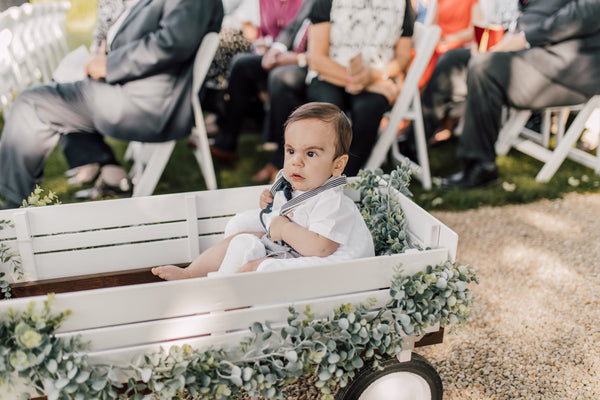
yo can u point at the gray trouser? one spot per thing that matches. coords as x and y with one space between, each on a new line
497 79
38 118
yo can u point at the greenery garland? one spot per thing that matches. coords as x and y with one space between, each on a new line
334 347
7 256
382 212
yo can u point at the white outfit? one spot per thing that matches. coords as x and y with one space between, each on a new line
330 214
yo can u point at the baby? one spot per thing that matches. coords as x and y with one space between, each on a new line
306 218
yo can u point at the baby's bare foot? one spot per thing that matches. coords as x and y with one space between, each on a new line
170 272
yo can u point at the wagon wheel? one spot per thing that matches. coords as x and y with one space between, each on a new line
414 380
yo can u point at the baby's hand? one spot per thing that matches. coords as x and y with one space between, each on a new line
266 198
276 227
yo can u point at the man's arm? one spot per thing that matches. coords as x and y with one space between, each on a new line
577 18
181 29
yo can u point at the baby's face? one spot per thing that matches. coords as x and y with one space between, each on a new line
309 154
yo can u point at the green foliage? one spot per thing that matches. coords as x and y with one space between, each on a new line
381 210
333 347
35 199
54 367
8 257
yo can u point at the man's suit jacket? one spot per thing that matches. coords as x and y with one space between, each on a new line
565 41
147 92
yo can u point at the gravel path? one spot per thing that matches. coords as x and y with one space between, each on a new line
535 332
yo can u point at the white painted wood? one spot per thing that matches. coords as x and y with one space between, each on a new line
430 231
112 337
511 129
148 174
536 144
146 302
118 258
123 322
192 225
25 246
566 144
105 236
110 237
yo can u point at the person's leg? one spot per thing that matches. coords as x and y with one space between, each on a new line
246 76
498 79
446 89
83 149
367 110
287 91
325 92
495 80
39 115
208 261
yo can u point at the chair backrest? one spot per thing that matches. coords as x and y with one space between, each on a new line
8 81
431 13
425 39
204 57
23 66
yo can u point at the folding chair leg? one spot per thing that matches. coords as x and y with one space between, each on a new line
566 144
154 168
421 142
204 157
511 130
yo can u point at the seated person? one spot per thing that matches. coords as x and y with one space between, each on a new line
238 31
552 60
250 72
306 218
139 90
356 48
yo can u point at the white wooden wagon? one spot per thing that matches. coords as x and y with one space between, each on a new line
86 252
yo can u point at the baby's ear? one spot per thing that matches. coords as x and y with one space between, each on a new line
339 164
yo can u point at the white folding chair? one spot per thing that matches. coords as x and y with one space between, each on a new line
537 144
408 107
431 13
8 82
57 14
24 64
150 159
37 39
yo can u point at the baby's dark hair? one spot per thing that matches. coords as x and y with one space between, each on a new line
330 114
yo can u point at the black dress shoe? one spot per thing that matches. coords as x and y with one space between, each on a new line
475 174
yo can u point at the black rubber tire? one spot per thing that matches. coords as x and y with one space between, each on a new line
367 375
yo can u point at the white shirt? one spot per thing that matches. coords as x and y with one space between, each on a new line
331 214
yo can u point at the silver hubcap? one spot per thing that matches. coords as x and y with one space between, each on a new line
398 386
